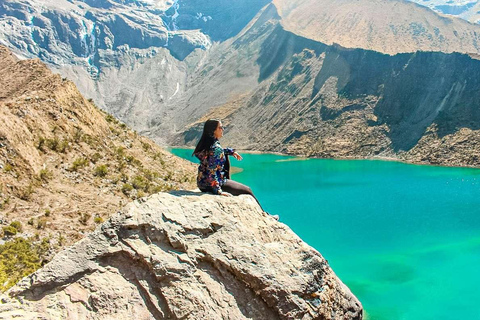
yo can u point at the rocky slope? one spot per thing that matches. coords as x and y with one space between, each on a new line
279 74
185 256
328 101
387 26
64 164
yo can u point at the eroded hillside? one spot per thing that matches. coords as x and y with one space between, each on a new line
328 101
65 166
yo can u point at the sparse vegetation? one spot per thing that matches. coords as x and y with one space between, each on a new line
84 217
54 144
145 146
98 219
95 157
8 167
41 144
127 188
79 163
101 170
88 139
120 152
77 136
139 183
26 192
18 258
47 212
9 231
41 223
17 225
45 175
110 118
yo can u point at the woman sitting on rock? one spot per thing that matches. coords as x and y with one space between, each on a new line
213 175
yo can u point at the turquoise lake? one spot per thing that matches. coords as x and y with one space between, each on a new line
404 238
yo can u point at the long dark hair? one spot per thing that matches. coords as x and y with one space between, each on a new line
207 138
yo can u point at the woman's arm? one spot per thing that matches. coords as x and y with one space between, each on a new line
232 152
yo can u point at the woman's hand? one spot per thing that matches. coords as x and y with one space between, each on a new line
226 194
237 156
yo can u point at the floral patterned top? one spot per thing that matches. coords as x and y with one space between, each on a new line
210 171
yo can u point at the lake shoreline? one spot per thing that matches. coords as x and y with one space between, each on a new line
376 158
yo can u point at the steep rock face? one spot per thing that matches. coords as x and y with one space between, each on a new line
190 256
328 101
82 32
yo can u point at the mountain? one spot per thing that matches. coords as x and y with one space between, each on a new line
328 79
468 10
185 255
387 26
328 101
65 165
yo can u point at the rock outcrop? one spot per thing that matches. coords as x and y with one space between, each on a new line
185 255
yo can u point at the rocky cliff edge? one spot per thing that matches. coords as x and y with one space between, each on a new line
185 255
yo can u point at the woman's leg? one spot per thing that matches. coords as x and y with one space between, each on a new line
237 188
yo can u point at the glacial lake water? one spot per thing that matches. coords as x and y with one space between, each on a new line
404 238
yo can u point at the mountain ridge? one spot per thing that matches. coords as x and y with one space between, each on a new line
65 165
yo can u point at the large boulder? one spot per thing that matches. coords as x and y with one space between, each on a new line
185 255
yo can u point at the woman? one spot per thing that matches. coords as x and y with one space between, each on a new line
213 159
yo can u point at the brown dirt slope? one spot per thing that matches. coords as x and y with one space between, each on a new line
64 164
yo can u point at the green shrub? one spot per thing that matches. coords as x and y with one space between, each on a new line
97 219
47 212
41 144
45 175
139 182
53 144
79 163
88 139
56 145
110 118
63 147
145 146
17 225
20 257
8 167
95 157
101 171
120 151
9 231
41 223
127 188
157 189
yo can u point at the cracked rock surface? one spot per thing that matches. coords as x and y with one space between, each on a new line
185 255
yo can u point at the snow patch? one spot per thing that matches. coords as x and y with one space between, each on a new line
176 91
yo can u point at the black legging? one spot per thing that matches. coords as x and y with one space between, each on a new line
234 187
237 188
